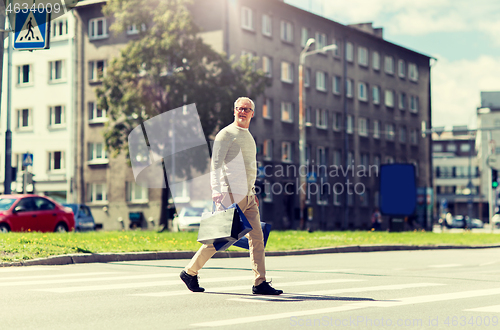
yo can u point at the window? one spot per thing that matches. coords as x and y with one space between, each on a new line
267 26
389 160
286 152
24 75
286 31
336 51
389 98
414 104
337 121
267 108
57 71
350 158
402 134
321 81
349 52
57 116
246 18
348 87
304 36
389 130
402 101
24 119
96 115
320 40
337 158
132 29
465 147
337 198
336 81
376 95
56 161
363 127
268 193
96 192
413 137
389 65
136 193
267 149
362 92
321 118
59 28
364 160
287 112
376 129
349 127
362 56
307 78
321 155
309 120
287 72
97 154
364 198
267 66
437 147
376 61
96 70
412 72
451 147
401 68
98 28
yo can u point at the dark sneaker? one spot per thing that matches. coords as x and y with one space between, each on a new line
191 282
265 288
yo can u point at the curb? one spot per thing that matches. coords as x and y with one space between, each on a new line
141 256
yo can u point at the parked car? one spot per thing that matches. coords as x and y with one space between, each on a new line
83 217
495 221
34 213
189 219
458 222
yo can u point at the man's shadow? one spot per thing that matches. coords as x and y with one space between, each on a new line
291 297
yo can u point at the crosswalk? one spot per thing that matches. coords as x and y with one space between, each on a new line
322 285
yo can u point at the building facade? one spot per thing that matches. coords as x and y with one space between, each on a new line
454 157
43 113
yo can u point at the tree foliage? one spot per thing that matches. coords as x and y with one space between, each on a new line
164 63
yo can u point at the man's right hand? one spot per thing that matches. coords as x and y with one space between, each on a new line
217 197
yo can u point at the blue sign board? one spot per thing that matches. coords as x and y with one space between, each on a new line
32 29
311 177
27 159
398 189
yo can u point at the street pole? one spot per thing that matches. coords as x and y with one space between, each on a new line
302 127
8 133
469 201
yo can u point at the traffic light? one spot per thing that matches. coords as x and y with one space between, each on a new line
494 179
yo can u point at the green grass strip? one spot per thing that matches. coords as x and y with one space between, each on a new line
26 246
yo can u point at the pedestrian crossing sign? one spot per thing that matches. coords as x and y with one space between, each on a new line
27 159
32 30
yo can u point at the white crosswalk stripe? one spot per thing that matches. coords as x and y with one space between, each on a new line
55 276
245 287
26 269
486 309
354 306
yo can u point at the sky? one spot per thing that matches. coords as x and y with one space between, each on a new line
463 35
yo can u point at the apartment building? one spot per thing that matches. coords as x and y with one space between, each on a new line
43 113
367 103
454 156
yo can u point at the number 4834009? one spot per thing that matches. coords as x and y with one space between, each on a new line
40 7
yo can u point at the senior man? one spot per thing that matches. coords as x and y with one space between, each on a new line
233 181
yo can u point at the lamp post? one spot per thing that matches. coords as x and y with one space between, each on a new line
302 127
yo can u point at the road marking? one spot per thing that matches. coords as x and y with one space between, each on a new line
488 263
24 278
374 288
330 271
487 309
353 306
446 266
243 287
80 280
25 269
138 285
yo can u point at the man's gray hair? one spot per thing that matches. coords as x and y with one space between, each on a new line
245 99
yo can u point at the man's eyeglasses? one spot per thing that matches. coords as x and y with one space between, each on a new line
246 110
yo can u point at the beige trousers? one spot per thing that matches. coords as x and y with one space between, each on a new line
255 241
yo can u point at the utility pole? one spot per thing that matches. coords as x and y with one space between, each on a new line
8 133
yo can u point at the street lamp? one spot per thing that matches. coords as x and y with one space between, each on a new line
302 126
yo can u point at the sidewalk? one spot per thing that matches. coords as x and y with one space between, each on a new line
141 256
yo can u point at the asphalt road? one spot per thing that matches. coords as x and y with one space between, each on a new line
438 289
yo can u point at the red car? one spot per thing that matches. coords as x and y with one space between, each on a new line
34 213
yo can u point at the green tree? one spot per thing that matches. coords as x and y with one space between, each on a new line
166 64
